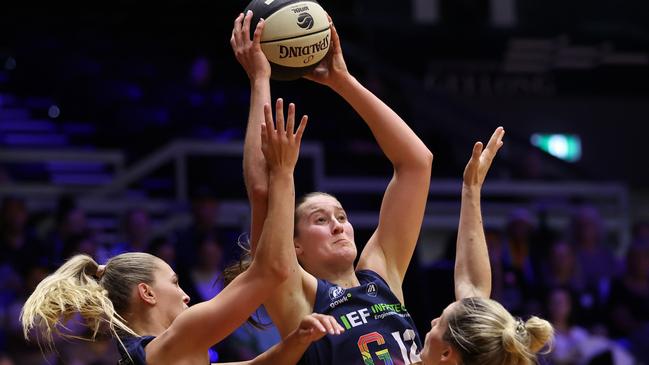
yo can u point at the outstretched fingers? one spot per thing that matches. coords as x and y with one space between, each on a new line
495 142
300 128
279 115
290 120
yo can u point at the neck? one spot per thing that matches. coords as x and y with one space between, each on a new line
145 324
345 278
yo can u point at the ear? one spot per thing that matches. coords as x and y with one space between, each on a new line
298 248
448 355
145 292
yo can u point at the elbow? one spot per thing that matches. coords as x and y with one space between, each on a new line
258 193
273 274
276 273
420 163
280 272
427 159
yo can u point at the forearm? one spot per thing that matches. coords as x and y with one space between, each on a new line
472 268
275 246
255 170
287 352
399 143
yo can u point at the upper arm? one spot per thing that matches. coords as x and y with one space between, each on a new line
292 300
389 250
205 324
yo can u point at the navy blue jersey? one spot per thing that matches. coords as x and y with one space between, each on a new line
135 354
378 328
135 348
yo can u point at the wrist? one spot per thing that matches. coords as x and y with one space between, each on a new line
280 172
340 83
471 190
259 80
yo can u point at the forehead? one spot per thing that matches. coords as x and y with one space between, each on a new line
320 202
447 311
164 268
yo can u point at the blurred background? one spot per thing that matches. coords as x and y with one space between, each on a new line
121 128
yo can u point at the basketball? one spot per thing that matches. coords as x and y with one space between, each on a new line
296 36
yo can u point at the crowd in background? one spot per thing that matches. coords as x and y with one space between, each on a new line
139 92
596 300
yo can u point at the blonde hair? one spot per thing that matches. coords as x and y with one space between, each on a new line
484 332
78 286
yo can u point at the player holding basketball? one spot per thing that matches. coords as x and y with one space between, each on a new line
367 299
136 296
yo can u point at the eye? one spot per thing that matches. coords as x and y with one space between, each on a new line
321 219
342 217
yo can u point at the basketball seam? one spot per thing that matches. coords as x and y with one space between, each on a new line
293 37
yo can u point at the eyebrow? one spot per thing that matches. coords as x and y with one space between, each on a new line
322 210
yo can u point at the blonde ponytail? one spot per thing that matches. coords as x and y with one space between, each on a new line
541 334
76 288
484 332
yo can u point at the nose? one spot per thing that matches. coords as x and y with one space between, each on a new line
185 298
337 226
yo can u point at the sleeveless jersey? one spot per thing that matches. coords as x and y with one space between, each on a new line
135 349
378 328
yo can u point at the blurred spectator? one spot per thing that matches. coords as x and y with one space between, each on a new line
562 270
519 277
249 341
84 242
628 307
136 231
18 243
640 231
568 337
574 344
22 351
70 223
594 255
205 274
204 226
164 248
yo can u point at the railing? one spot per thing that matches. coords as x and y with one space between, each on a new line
177 152
499 197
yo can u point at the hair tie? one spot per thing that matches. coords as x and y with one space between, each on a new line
101 269
520 326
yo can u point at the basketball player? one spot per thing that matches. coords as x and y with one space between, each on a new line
366 299
475 329
138 297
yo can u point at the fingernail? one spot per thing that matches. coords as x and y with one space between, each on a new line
249 12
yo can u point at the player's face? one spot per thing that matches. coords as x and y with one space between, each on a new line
435 348
170 297
324 235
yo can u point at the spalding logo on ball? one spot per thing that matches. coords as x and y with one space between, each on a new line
296 36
